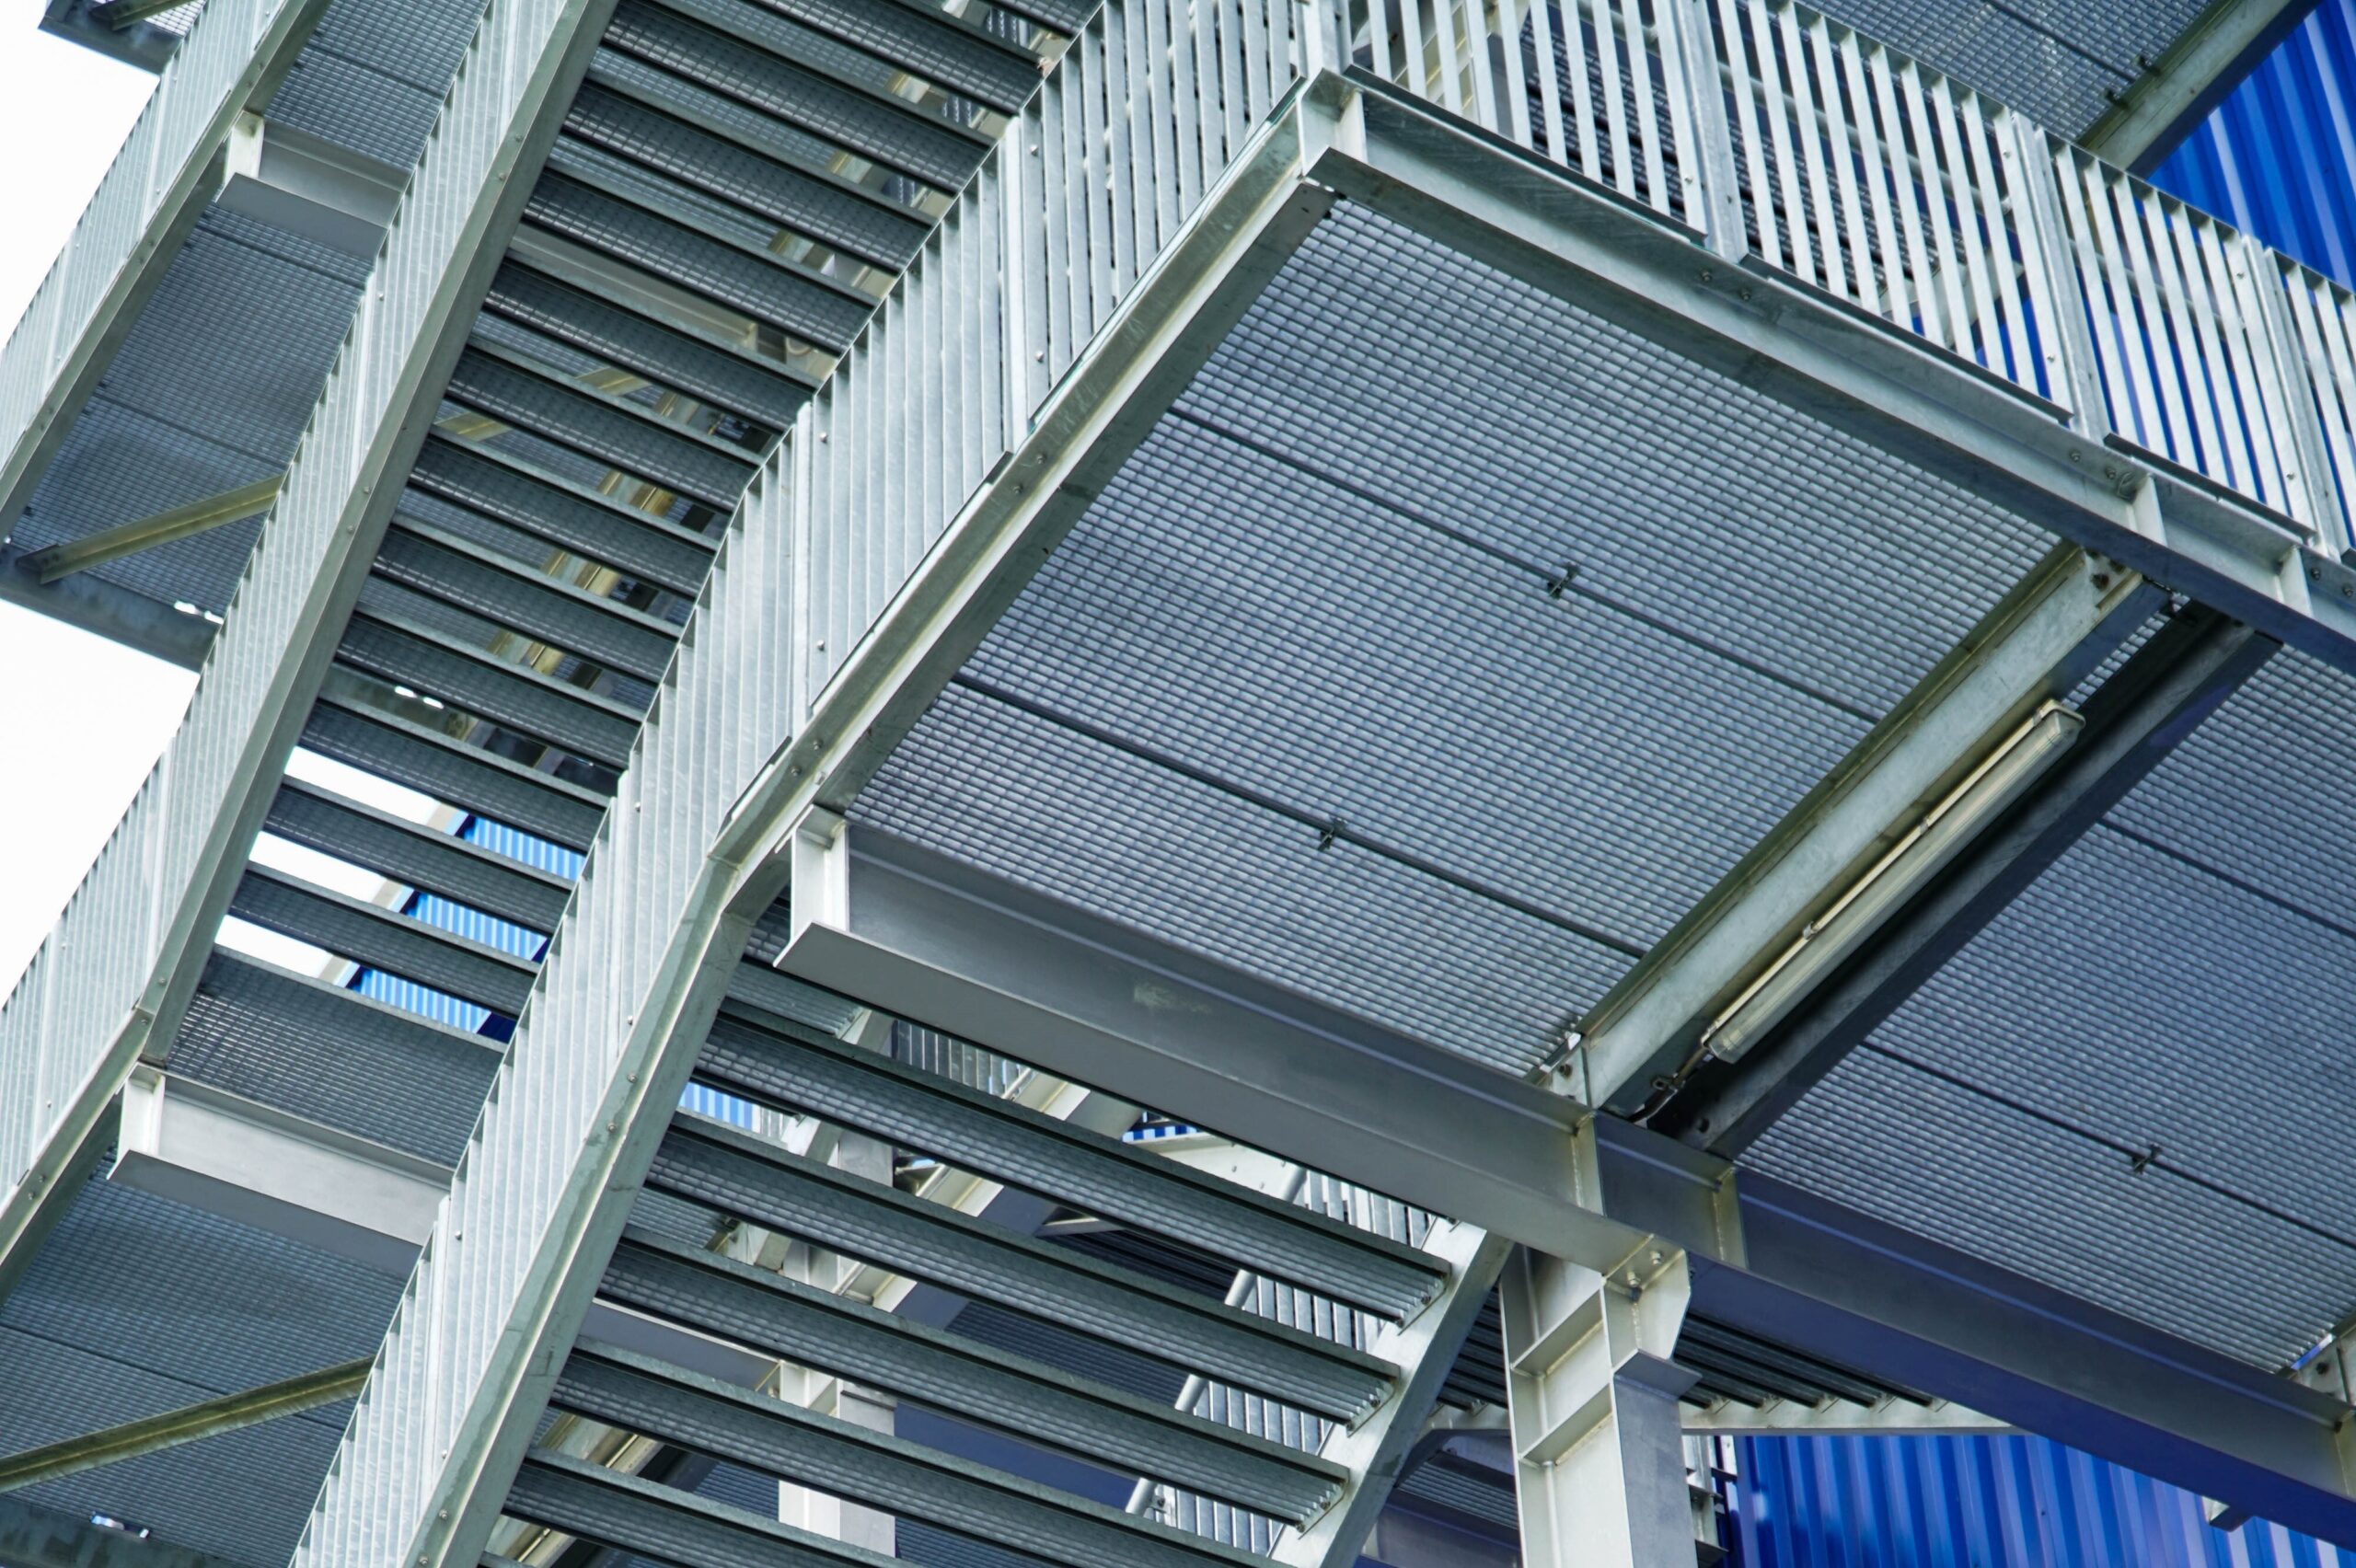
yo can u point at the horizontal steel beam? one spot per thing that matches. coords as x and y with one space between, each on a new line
2153 114
146 533
192 1424
1091 999
933 941
95 605
308 186
2162 692
249 1162
1881 817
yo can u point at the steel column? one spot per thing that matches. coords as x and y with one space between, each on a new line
1597 1441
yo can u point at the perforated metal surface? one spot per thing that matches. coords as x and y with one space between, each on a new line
2098 1090
1328 595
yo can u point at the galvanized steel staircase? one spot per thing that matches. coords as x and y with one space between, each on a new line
736 184
740 1180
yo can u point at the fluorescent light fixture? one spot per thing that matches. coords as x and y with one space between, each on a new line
1997 780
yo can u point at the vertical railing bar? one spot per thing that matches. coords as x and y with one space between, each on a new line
1740 68
1517 84
1934 185
1161 179
2305 467
1185 90
2331 385
2142 405
1778 104
1550 84
1477 38
2094 282
1261 52
2057 320
1877 164
1411 38
1452 69
1969 232
1378 30
1611 85
1824 227
2159 334
1922 269
1839 144
1981 138
2218 410
1671 27
1120 173
1648 116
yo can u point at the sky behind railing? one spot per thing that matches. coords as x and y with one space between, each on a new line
83 718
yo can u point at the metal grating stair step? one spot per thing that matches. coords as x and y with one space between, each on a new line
466 776
544 608
506 489
856 219
564 716
696 365
949 1372
954 58
421 857
720 1168
664 1525
380 938
681 1407
490 381
582 203
704 42
717 167
1100 1176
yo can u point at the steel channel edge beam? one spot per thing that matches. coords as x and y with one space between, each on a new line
2056 626
314 553
72 356
1458 184
2208 60
1248 222
1085 998
2165 691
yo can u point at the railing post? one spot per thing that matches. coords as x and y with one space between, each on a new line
1320 29
1692 47
2063 337
2276 344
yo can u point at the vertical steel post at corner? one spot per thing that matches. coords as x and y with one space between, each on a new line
1324 33
1689 44
2275 340
2072 376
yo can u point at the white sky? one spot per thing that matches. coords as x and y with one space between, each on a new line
81 718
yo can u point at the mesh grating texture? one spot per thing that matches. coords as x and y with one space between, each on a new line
2094 1090
1326 601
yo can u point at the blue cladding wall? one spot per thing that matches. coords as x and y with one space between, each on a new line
2278 158
1992 1502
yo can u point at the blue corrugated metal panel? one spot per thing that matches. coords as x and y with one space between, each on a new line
2277 157
517 845
1976 1502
